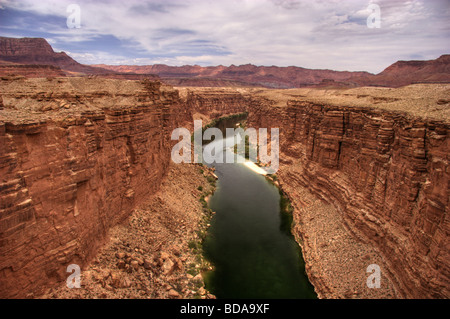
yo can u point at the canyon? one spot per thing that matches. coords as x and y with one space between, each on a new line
370 166
86 175
79 155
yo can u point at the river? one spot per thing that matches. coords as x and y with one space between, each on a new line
253 253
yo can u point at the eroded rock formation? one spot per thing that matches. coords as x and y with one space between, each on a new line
76 156
385 171
242 75
407 72
23 52
39 51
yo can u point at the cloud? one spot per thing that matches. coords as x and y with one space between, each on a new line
310 33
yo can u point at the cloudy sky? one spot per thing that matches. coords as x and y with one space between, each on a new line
320 34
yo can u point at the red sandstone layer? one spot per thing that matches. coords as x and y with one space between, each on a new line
76 156
383 167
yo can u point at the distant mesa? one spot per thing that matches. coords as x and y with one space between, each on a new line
20 55
398 74
403 73
28 51
242 75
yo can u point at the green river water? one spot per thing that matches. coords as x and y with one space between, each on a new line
249 242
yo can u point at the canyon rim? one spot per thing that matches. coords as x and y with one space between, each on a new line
88 181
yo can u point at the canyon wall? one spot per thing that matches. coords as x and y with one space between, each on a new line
76 156
386 172
215 103
72 170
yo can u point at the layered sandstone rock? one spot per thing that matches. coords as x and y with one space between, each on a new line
379 157
150 255
76 156
30 70
215 102
34 49
37 51
385 171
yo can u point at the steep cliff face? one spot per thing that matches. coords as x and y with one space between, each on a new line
34 49
71 171
387 174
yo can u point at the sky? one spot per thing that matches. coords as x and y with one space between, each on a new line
317 34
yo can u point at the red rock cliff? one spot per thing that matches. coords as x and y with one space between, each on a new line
386 171
71 170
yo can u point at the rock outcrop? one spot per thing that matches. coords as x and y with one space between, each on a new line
34 57
408 72
385 171
76 156
150 255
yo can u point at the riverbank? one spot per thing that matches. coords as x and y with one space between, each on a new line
150 255
335 259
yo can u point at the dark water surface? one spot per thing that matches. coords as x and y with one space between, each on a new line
253 255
